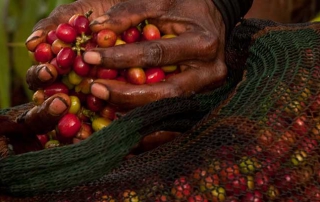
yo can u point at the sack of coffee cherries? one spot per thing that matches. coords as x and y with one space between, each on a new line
256 138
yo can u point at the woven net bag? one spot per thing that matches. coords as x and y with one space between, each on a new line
254 139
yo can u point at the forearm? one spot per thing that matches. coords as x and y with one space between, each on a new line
232 11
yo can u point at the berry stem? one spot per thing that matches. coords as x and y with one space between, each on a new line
88 113
87 14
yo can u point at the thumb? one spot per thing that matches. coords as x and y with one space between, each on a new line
43 118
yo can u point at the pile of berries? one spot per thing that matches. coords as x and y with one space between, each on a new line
62 52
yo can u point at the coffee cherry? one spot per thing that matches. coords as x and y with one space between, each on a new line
57 87
43 138
286 179
66 57
99 123
136 75
91 44
131 35
68 126
299 157
84 85
39 97
108 112
255 196
65 81
66 33
151 32
82 97
80 66
262 181
75 105
119 42
182 188
74 78
218 194
84 132
168 36
232 199
197 198
106 38
248 165
81 24
57 45
52 144
208 182
95 104
104 73
169 68
51 37
43 53
61 71
236 185
154 75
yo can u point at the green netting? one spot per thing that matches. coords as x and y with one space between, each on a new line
254 139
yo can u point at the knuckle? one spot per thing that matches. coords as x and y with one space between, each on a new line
64 8
153 54
208 45
175 89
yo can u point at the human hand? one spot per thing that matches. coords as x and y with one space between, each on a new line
61 14
20 125
198 48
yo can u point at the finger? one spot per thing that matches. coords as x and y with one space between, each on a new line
43 118
62 14
188 46
156 139
39 76
127 14
186 83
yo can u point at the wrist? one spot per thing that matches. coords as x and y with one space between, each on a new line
232 11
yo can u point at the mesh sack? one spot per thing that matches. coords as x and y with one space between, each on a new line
254 139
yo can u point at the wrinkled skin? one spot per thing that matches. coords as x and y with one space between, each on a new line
198 49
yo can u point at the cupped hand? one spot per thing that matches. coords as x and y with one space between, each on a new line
198 48
31 119
20 125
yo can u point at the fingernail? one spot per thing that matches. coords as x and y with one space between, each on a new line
100 91
99 20
92 57
44 74
34 35
57 106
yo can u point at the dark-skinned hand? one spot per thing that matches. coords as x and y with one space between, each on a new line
198 48
20 125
